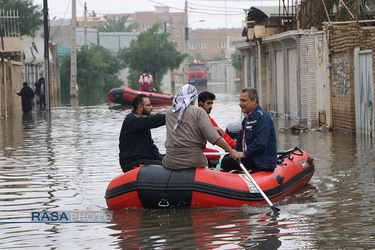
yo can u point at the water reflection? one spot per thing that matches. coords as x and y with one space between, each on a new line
206 228
236 228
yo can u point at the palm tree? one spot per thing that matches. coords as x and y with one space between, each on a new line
312 13
117 25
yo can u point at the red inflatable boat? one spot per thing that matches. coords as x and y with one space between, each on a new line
158 187
125 96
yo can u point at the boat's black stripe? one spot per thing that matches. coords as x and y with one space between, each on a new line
145 187
290 183
165 179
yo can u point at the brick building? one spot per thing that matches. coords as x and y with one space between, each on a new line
352 61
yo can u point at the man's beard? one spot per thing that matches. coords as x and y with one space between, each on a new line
145 112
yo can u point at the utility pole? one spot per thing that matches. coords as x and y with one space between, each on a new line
85 23
3 110
186 50
226 19
46 55
173 84
73 54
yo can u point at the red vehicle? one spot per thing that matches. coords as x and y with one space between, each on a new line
197 73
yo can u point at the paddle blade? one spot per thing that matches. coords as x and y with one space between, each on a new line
275 209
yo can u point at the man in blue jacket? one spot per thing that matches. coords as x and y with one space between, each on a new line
136 145
257 141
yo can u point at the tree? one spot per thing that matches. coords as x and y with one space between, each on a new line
198 56
218 58
97 72
235 63
117 25
30 15
151 51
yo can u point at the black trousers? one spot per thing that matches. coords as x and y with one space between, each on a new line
42 99
228 164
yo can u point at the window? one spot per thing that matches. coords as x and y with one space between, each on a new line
202 45
145 26
192 45
221 44
195 67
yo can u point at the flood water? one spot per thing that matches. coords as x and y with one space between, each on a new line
65 160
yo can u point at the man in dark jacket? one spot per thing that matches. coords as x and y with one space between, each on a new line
27 95
257 140
136 145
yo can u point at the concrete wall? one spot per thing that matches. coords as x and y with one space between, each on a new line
11 77
11 73
221 71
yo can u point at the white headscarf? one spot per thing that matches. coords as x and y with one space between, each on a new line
185 95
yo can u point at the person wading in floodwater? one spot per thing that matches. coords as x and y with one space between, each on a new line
27 95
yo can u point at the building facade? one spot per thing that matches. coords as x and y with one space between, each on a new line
315 77
290 71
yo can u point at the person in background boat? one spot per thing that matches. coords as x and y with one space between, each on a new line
136 144
206 101
40 91
188 129
257 141
145 82
27 95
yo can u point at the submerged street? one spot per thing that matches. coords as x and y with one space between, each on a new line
65 160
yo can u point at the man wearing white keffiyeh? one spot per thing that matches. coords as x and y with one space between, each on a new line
188 129
185 95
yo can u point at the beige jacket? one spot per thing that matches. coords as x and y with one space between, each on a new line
184 146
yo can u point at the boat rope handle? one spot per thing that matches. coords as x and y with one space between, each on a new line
287 154
163 203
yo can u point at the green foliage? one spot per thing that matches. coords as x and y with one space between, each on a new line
65 78
117 25
152 51
235 61
197 56
97 72
133 79
31 16
218 58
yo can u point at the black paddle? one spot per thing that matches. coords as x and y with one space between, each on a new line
275 209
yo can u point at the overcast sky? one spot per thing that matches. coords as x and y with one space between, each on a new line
215 13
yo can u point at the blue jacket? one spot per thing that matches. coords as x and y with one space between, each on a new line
135 137
260 139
